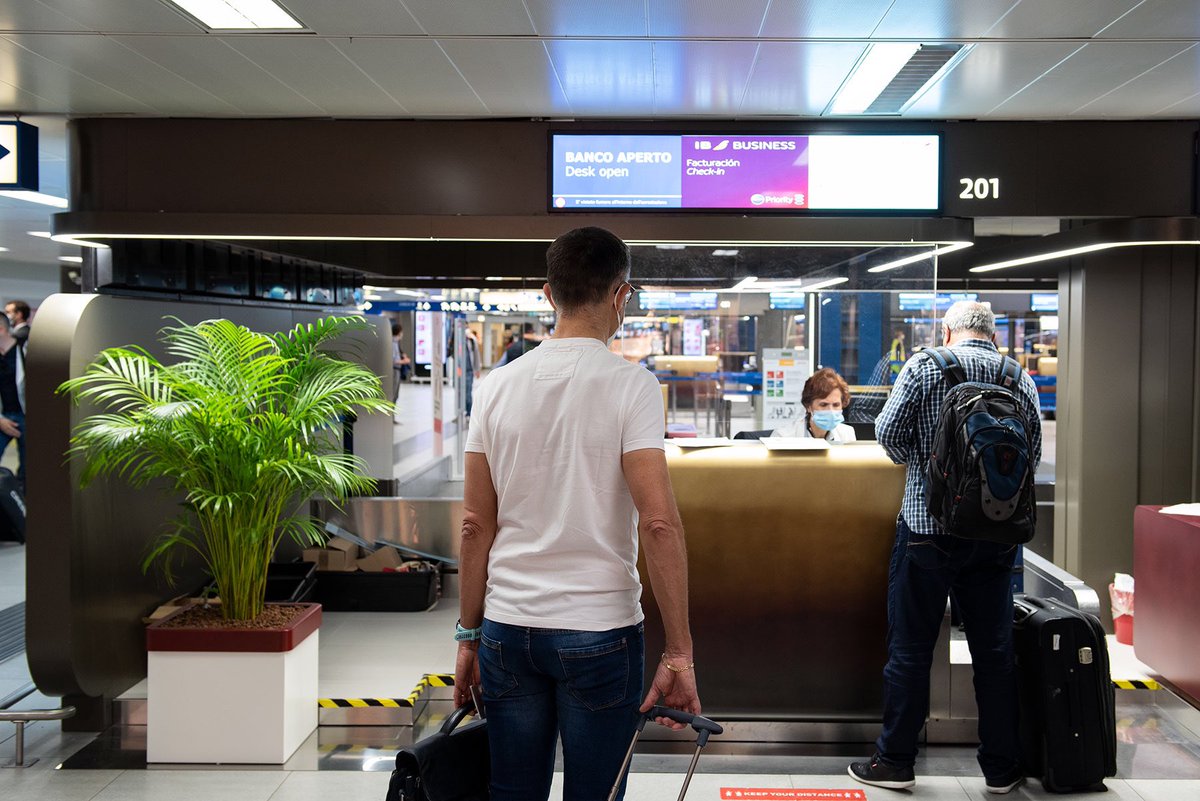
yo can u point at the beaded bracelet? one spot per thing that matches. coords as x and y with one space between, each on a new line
674 669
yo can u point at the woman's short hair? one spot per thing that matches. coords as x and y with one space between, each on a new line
821 383
583 264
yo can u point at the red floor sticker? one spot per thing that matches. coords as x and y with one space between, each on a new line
791 794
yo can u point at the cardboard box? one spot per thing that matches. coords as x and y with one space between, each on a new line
380 560
338 555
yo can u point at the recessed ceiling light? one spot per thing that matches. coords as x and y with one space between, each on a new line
494 278
725 252
38 197
874 71
72 259
239 14
3 250
1079 251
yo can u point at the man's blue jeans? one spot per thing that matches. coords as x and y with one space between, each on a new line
19 419
923 572
539 684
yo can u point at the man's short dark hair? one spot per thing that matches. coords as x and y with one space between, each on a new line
397 329
20 306
583 264
5 323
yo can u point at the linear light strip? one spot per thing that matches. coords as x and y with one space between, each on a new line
891 265
1062 254
871 75
764 243
38 197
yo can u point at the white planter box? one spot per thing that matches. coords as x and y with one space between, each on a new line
231 707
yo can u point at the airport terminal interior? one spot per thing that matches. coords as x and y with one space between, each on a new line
803 184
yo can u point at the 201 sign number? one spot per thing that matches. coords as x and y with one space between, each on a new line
979 188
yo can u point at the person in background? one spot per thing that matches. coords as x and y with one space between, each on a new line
401 364
12 394
18 312
521 345
566 476
927 565
826 394
471 367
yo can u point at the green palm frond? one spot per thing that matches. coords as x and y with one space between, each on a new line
242 425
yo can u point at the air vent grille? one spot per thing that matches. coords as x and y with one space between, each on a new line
923 65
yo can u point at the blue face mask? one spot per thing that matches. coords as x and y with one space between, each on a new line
827 420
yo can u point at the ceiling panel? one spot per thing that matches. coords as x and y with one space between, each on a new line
606 78
513 77
108 62
357 17
797 79
1074 18
68 90
930 20
847 18
1158 18
702 78
987 76
471 17
706 17
587 18
417 74
145 16
30 15
318 71
1154 92
208 62
1091 72
1187 108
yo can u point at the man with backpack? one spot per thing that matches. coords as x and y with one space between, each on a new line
965 511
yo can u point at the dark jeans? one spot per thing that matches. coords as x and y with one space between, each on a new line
540 684
923 572
19 419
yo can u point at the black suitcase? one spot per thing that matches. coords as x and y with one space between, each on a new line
12 507
1068 724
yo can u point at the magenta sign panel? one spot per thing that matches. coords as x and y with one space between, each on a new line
745 172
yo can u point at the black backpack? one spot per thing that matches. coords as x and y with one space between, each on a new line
979 479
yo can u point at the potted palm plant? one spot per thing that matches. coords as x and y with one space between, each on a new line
244 426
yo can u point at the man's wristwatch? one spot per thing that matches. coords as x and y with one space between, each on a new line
466 635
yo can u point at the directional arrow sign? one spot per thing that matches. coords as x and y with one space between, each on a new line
18 156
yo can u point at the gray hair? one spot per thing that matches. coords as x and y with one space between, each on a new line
969 315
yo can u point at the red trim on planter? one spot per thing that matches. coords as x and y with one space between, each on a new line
233 639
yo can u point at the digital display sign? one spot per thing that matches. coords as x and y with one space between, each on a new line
1047 301
677 301
806 173
923 301
787 300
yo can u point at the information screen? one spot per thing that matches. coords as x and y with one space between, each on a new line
924 301
787 300
679 301
1047 301
817 173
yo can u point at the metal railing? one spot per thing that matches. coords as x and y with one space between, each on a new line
20 717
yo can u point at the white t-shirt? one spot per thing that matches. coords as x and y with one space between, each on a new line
553 425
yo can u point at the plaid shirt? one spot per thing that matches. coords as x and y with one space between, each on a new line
905 427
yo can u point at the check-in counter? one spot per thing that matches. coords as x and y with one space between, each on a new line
1166 632
788 556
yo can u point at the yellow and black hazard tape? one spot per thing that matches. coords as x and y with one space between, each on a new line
428 680
363 703
438 680
1137 684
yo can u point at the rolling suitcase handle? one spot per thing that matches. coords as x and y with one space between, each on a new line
703 726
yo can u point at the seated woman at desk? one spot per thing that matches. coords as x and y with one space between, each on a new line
824 397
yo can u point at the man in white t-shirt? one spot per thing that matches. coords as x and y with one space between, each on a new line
565 476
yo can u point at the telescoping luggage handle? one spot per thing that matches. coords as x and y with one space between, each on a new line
703 726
